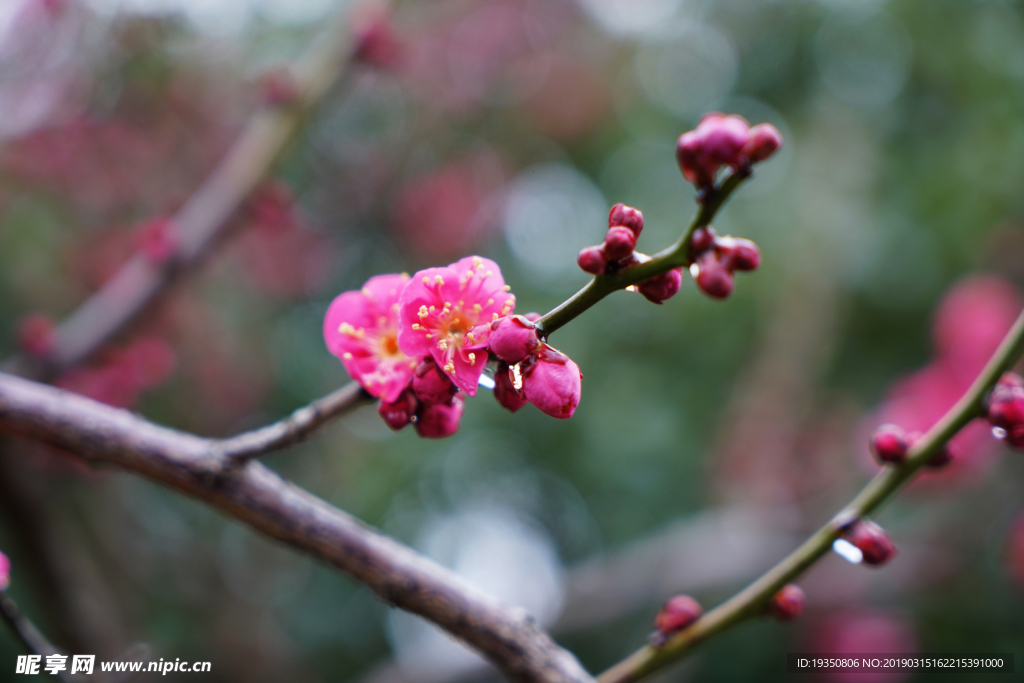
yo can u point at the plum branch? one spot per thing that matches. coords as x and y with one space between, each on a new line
752 600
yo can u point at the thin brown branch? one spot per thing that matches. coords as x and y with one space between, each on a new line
297 427
30 636
204 217
262 499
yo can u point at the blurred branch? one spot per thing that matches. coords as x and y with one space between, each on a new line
255 495
30 636
205 216
750 602
665 260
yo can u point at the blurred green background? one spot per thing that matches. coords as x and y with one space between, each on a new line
711 436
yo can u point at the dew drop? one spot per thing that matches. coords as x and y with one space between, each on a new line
694 270
486 382
847 551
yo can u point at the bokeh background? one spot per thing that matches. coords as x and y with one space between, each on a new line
711 436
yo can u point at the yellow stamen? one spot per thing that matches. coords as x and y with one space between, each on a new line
508 288
472 358
423 312
438 279
347 355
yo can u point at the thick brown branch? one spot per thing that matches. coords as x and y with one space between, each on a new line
257 496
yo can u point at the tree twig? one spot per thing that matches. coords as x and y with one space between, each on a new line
665 260
30 636
262 499
297 427
751 601
204 217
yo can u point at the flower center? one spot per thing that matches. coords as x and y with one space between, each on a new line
389 343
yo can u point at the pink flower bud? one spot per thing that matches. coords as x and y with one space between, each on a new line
694 164
430 384
662 287
626 216
1006 407
788 603
278 87
592 260
889 444
157 239
400 412
713 277
1015 438
5 572
742 254
723 138
619 243
552 382
872 541
505 391
438 420
377 44
765 140
513 338
702 240
677 613
35 335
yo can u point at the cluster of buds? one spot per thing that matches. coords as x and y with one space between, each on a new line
678 613
874 544
618 251
430 402
716 259
1005 410
890 445
531 371
721 140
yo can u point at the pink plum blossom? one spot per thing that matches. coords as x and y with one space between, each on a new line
552 382
361 328
446 313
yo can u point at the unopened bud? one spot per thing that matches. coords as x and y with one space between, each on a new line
713 277
552 382
889 444
505 391
677 613
430 384
875 545
593 260
619 243
765 140
743 255
399 413
513 338
788 603
662 287
438 420
626 216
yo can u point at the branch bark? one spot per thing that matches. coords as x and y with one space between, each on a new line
268 503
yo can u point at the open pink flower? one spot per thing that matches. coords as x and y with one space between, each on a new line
446 313
361 328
